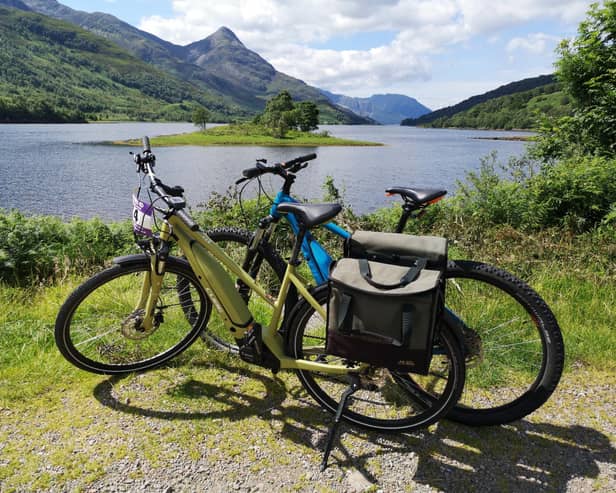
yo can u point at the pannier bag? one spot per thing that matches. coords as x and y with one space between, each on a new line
384 314
397 248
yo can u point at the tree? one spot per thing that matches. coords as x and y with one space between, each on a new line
200 117
279 115
587 71
282 114
280 103
307 116
278 123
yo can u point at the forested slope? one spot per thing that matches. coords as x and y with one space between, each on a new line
522 110
507 89
53 71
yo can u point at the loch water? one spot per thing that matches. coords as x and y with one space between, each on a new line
68 170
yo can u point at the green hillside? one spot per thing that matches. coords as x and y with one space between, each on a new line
53 71
220 64
510 107
522 110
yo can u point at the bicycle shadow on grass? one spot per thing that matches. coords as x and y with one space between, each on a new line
523 456
228 401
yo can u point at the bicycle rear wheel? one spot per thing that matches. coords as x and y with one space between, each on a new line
388 400
516 350
98 327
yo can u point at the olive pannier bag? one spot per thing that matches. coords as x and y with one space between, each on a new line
384 314
397 248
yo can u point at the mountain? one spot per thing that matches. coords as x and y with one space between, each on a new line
16 4
219 64
511 88
52 70
383 108
520 110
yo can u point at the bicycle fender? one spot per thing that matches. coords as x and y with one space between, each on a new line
456 326
138 258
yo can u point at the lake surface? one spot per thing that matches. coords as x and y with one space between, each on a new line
64 170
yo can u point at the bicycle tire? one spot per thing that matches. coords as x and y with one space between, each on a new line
89 335
520 353
388 400
235 242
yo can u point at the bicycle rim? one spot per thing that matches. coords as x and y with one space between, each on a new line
98 327
515 347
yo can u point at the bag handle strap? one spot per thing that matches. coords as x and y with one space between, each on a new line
409 277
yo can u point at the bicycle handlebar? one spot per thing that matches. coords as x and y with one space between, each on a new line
299 160
171 195
294 165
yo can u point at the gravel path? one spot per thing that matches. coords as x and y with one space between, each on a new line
174 431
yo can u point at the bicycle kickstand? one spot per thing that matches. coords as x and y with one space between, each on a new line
354 386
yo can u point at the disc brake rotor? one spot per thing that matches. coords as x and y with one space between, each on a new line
132 327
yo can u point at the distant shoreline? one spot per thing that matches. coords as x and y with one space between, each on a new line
520 138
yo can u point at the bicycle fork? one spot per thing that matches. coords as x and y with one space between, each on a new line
144 318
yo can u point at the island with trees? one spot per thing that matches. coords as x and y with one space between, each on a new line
284 122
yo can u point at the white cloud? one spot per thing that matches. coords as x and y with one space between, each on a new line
536 44
484 16
285 33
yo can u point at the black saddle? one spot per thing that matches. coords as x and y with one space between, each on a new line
417 195
310 215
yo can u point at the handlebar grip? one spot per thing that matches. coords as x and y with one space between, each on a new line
252 172
301 159
146 144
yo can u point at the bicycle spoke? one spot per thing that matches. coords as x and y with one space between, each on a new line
94 338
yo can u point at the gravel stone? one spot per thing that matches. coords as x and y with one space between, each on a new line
219 444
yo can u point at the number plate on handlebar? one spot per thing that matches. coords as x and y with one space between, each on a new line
143 217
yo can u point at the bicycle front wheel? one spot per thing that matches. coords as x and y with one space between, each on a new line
98 327
388 400
514 345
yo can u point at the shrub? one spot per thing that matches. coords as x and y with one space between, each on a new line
496 194
38 248
578 193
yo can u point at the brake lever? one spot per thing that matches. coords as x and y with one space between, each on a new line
297 167
241 180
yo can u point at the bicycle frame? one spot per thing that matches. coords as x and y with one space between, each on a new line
317 258
209 261
315 255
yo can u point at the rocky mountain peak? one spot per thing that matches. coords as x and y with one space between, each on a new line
223 37
224 34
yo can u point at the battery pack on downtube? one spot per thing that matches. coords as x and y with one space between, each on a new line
226 298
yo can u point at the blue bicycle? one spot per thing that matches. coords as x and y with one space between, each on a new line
513 344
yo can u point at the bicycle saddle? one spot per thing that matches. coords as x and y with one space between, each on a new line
311 214
418 195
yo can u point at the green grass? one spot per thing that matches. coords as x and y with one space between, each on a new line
56 419
585 309
247 134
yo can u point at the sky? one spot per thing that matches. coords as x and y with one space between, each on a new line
437 51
